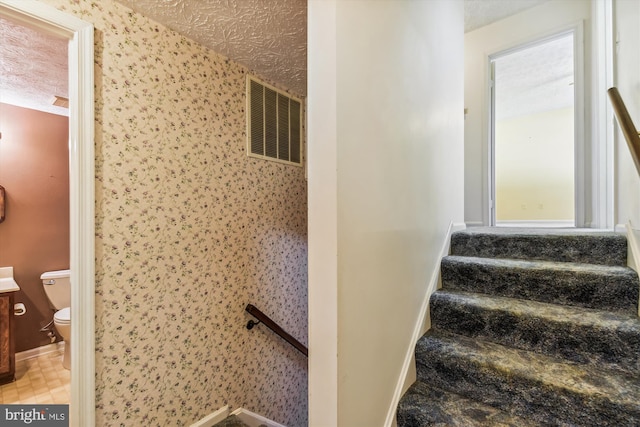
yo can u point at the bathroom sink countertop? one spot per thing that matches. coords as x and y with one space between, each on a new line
7 283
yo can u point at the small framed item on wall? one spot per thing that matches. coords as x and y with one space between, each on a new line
2 199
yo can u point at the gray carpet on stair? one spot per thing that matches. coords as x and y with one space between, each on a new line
429 406
596 337
231 421
603 287
564 245
537 387
531 327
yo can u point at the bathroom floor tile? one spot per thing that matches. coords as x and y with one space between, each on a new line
40 380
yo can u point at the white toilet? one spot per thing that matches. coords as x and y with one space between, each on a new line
57 286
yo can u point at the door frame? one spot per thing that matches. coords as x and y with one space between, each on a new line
580 166
49 20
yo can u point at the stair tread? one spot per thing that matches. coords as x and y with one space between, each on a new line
538 231
571 245
577 334
603 319
546 265
429 406
535 323
613 288
231 421
537 368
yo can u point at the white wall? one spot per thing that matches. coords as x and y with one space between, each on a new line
385 111
532 185
546 19
627 183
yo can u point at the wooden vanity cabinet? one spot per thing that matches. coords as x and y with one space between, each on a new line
7 342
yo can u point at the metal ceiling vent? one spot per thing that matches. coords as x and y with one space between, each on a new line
274 130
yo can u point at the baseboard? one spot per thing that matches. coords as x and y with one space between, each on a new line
213 418
470 224
458 226
39 351
422 324
633 246
254 420
622 228
536 223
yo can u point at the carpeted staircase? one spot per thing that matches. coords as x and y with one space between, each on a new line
532 327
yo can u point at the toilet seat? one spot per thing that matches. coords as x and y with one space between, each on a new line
62 316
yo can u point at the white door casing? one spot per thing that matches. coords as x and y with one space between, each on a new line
49 20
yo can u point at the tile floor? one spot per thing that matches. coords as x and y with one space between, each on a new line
41 380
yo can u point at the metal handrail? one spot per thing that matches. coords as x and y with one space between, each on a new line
263 318
626 125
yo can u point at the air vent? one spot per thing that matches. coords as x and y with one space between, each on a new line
273 123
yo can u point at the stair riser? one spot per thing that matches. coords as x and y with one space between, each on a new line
616 290
617 348
519 395
594 249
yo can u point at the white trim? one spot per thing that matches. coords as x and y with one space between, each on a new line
419 329
602 122
458 226
82 199
40 351
254 420
213 418
620 228
580 132
633 249
471 224
536 223
322 196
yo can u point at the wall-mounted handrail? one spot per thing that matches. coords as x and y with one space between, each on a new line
626 124
263 318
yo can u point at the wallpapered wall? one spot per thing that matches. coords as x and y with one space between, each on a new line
189 230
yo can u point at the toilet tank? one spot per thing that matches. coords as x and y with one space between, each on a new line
57 286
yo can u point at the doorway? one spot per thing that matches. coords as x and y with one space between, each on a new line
534 134
81 192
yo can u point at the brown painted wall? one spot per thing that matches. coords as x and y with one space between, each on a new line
34 238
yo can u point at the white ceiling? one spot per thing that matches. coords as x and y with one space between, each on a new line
536 79
267 36
478 13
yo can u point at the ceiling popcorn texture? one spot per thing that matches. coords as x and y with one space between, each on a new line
33 68
268 37
535 79
478 13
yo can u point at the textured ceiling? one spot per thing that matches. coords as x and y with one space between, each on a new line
33 68
478 13
267 36
535 79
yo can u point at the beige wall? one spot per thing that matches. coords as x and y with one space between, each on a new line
188 231
543 20
534 167
386 170
34 238
627 183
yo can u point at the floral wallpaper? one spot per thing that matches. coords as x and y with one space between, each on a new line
188 231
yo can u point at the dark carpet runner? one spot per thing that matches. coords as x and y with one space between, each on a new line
532 327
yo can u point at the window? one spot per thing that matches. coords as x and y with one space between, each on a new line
274 130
